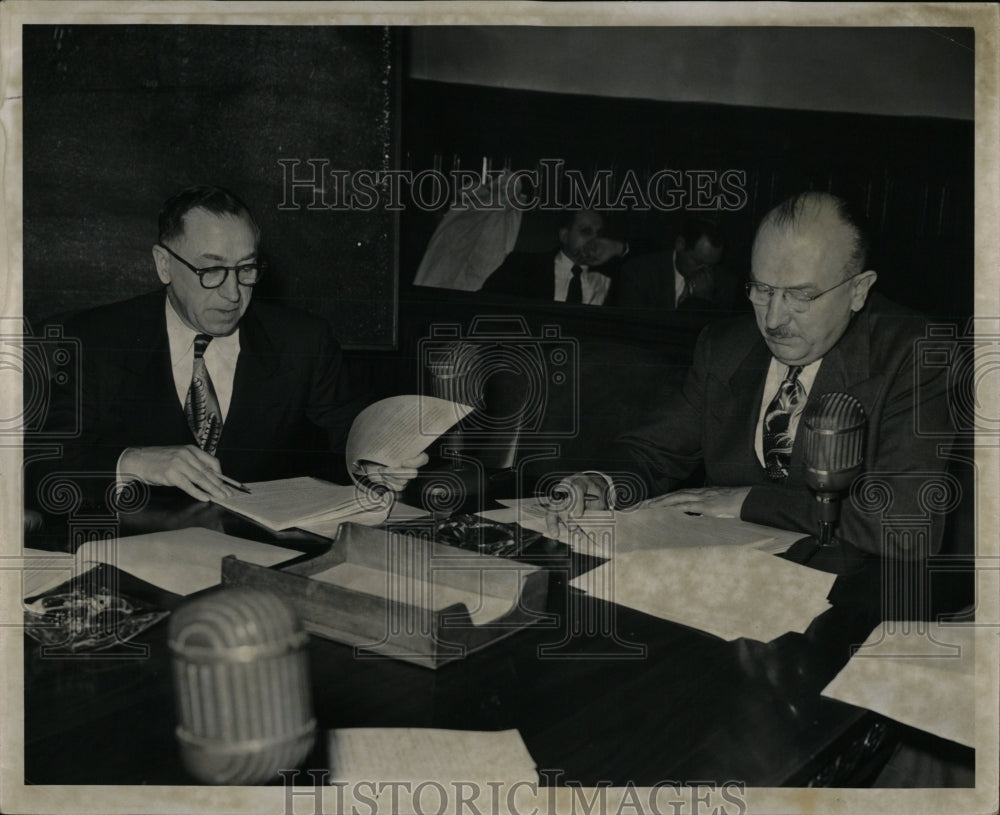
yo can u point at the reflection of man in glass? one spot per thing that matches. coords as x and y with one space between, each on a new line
571 274
690 275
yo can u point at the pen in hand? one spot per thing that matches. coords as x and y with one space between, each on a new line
232 482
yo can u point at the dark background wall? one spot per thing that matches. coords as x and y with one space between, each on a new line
117 118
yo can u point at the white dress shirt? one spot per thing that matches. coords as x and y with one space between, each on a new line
776 373
220 359
595 285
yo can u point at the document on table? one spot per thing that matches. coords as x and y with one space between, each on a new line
400 428
181 561
919 673
289 502
727 591
433 595
410 754
652 526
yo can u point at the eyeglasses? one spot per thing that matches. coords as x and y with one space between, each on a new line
760 294
211 277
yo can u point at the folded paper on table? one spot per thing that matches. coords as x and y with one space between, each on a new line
650 526
181 561
730 592
919 673
411 754
400 428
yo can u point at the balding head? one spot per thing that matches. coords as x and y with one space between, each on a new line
809 244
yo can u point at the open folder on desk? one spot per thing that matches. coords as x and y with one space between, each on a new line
649 526
730 592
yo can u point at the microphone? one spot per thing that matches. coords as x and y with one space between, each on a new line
833 433
242 686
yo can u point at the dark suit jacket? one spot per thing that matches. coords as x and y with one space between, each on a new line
291 404
712 420
525 274
647 281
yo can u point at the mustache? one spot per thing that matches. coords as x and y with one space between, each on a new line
780 333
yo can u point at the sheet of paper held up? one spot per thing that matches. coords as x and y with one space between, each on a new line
425 754
182 561
434 595
730 592
919 673
653 526
400 428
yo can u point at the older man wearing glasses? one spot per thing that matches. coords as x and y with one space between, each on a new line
817 328
195 385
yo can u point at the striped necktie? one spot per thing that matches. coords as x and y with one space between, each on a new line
201 408
787 402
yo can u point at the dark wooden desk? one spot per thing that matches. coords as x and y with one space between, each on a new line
634 699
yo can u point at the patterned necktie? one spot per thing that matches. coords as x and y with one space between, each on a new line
204 416
787 402
575 292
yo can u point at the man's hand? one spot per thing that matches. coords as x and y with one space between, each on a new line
187 467
571 498
393 476
599 251
719 502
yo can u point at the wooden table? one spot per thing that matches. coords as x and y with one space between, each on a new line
631 698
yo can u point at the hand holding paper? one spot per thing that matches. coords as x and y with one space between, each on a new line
387 440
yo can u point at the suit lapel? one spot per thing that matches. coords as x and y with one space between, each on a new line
256 371
746 390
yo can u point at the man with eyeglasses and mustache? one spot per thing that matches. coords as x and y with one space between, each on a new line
196 386
817 328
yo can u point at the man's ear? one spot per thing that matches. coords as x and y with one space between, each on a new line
680 244
860 287
563 232
162 262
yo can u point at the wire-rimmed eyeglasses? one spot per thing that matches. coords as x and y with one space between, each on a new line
760 294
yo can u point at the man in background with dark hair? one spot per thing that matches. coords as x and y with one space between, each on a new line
572 274
195 385
690 275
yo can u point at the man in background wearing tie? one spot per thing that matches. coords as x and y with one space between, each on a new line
196 386
570 276
817 328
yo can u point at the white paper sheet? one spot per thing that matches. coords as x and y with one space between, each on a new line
288 502
652 526
182 561
399 428
918 673
730 592
44 570
421 754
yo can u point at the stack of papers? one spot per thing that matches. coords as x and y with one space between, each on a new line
730 592
488 771
290 502
647 526
921 674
